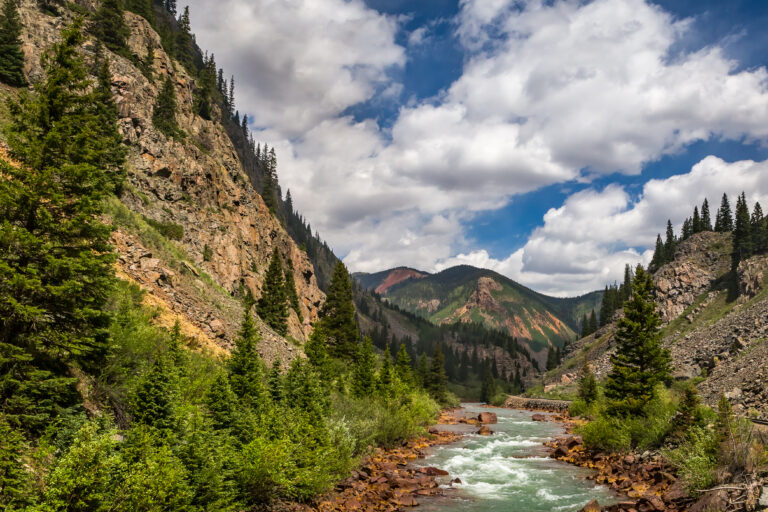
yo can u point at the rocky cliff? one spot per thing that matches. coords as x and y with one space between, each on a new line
194 183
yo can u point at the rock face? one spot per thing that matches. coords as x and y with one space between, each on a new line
698 262
196 182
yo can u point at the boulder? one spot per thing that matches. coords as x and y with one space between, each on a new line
487 417
573 442
592 506
432 471
484 431
539 417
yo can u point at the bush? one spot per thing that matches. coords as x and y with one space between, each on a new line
608 434
207 253
696 458
169 230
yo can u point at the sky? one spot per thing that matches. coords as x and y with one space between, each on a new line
547 140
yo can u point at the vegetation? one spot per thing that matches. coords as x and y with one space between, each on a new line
164 113
273 304
109 26
11 54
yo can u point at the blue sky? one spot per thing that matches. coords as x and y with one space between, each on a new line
548 140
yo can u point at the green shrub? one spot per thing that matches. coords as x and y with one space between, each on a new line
696 458
608 434
169 230
207 253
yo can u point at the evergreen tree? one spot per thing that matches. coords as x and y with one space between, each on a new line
626 287
488 388
758 227
244 126
592 322
164 113
742 232
290 290
640 362
170 6
337 315
273 306
687 229
724 218
364 378
246 370
585 326
659 258
184 44
422 370
696 221
437 381
55 259
551 358
386 377
403 365
112 152
706 220
670 243
153 405
109 26
143 8
11 54
231 97
588 390
276 383
14 479
221 402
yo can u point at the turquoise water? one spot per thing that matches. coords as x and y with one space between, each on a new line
509 471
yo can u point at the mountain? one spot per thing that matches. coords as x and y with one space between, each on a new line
469 294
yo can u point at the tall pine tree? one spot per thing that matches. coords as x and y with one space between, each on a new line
164 113
724 218
337 316
273 306
742 232
640 362
11 54
437 381
109 26
706 219
290 290
55 258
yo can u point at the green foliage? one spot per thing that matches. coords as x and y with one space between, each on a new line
640 362
290 290
436 380
403 365
337 316
724 218
246 370
169 230
272 307
14 479
11 54
696 458
154 401
207 253
55 258
588 388
364 377
109 26
164 113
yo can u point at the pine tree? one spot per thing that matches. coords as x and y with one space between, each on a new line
55 258
184 44
11 54
742 232
154 403
659 258
487 386
273 305
276 391
386 376
221 402
551 358
246 370
626 287
364 378
14 478
245 125
696 221
290 290
592 322
588 390
143 8
422 370
437 381
170 6
109 26
164 113
112 152
585 326
724 219
758 227
337 315
670 243
687 230
231 97
706 220
640 362
403 365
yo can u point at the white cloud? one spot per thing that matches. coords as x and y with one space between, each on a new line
551 92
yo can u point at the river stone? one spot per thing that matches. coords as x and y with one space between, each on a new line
592 506
764 497
487 417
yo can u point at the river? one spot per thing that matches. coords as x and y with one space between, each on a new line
509 470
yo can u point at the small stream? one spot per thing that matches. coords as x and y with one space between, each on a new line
510 470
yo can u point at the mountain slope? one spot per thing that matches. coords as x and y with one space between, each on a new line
469 294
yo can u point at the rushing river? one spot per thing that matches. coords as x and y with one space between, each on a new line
509 470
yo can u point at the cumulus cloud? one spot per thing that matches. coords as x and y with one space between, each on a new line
551 92
586 242
299 62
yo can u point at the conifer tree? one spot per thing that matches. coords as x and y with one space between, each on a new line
276 391
758 227
640 362
109 26
231 97
742 232
724 218
164 113
290 290
551 358
273 306
170 6
670 242
706 220
364 378
11 54
696 221
110 150
245 125
143 8
55 258
403 365
437 381
246 370
153 405
14 478
221 402
659 258
337 316
585 326
592 322
626 287
220 83
687 230
184 44
588 390
487 386
386 376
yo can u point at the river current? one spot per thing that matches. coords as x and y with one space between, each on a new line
509 470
